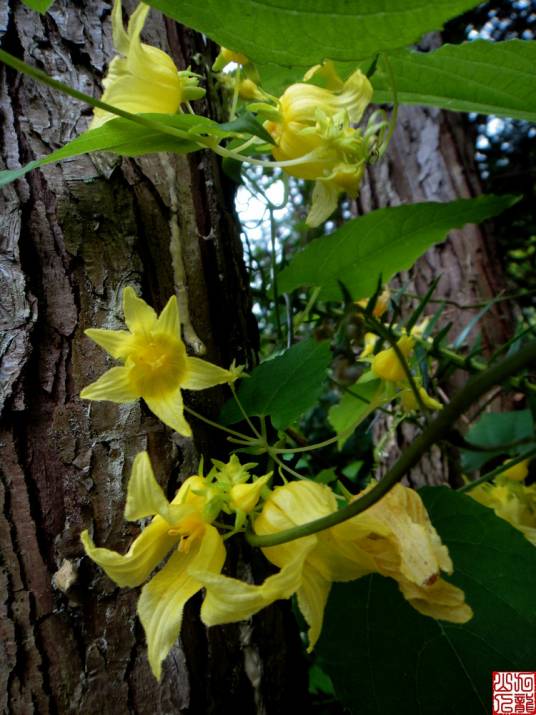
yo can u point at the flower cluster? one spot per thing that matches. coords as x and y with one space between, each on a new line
316 126
394 537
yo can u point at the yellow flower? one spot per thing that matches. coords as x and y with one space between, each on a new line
386 364
144 79
512 501
156 366
409 401
180 525
518 472
226 56
315 124
394 538
381 305
369 343
244 497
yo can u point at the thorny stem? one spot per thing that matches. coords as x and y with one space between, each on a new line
436 430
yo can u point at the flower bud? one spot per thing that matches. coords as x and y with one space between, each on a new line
244 497
386 364
409 401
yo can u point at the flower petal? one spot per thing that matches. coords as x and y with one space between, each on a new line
169 321
144 554
228 600
120 37
138 315
162 600
441 600
114 385
144 495
169 409
312 598
201 375
115 342
323 204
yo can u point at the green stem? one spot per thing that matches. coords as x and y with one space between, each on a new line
273 261
244 413
394 113
498 470
41 76
244 437
436 430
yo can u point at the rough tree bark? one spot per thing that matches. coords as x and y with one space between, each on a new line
431 158
72 236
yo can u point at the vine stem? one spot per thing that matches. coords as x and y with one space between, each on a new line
435 431
216 425
498 470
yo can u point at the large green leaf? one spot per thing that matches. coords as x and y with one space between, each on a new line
381 243
127 138
283 387
494 429
480 76
304 32
384 657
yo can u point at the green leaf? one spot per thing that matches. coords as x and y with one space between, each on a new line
480 76
494 429
127 138
356 405
38 5
382 243
303 33
247 123
384 657
283 387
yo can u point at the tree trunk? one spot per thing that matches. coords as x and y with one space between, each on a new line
72 236
431 159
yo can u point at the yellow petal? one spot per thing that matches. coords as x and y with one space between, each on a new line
324 202
201 375
162 600
168 320
441 600
144 495
114 385
312 598
119 36
138 315
518 472
245 496
228 600
115 342
137 21
169 408
145 553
